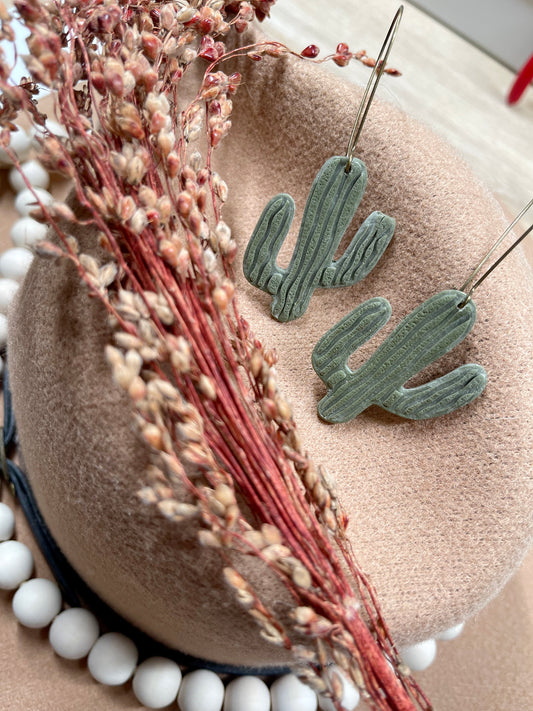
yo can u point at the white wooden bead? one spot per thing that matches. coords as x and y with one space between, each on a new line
3 339
452 632
26 232
420 656
16 564
113 659
288 693
25 201
201 690
73 633
7 521
350 693
8 289
37 602
156 682
35 174
55 128
247 693
15 262
20 143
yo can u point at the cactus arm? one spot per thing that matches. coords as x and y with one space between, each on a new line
363 252
332 202
331 353
440 396
259 264
428 332
432 329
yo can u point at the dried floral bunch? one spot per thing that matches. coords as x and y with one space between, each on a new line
204 390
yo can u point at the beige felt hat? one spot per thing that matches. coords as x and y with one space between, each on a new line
439 510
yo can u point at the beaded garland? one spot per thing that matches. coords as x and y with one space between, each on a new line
74 633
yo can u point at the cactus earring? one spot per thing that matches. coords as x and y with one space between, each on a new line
333 200
428 332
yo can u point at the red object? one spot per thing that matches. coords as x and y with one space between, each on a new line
311 51
522 81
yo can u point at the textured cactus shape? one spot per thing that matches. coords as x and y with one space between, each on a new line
331 205
428 332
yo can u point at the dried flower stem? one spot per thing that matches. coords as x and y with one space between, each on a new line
204 389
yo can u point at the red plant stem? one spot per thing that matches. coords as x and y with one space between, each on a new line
249 484
364 639
233 417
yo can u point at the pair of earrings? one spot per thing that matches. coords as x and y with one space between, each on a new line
431 330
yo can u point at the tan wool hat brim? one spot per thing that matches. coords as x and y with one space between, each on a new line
439 510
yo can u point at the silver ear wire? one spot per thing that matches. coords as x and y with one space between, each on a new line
473 286
371 87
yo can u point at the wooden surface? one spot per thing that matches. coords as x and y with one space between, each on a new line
446 83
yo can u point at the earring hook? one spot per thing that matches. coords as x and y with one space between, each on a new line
371 87
491 251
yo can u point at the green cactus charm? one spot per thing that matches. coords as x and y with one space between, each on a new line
331 205
428 332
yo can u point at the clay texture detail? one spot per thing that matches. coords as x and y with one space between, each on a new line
333 200
427 333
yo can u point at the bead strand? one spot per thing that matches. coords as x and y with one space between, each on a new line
26 232
157 682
